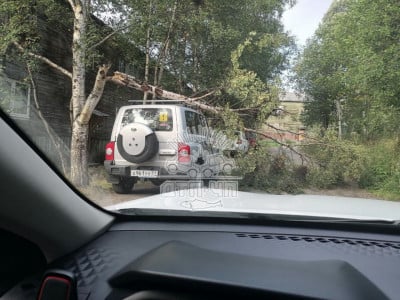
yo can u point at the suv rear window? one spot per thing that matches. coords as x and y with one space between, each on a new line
195 123
158 119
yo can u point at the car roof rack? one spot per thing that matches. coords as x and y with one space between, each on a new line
165 101
158 101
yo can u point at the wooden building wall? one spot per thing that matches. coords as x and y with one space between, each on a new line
54 92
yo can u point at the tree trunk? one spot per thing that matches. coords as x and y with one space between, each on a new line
95 95
80 132
147 66
159 68
81 109
131 82
148 37
79 156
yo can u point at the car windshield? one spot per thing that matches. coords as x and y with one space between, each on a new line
287 107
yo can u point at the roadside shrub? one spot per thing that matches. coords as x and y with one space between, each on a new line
382 170
333 161
272 171
373 165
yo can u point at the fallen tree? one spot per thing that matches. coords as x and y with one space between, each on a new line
126 80
132 82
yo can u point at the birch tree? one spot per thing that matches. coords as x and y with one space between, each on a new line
81 106
21 33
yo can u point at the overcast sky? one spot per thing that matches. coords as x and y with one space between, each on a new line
302 20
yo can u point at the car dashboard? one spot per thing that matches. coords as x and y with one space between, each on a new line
217 260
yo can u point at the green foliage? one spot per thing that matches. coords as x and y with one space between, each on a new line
382 170
23 22
334 161
244 89
374 166
354 58
274 173
17 23
197 48
349 71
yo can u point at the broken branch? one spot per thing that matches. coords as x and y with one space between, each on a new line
130 81
107 37
95 96
44 59
301 155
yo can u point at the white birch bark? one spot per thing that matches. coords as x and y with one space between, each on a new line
80 131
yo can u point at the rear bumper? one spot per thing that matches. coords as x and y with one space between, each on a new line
116 172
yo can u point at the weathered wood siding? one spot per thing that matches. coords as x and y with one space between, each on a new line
54 92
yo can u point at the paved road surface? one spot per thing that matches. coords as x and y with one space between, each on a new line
105 198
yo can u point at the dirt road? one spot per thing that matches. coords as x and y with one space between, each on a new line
106 197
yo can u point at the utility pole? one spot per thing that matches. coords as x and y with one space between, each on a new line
339 116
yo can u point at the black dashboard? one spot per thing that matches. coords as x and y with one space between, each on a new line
192 260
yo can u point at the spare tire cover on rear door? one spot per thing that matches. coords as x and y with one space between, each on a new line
137 143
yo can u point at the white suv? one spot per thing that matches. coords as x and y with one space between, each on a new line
158 142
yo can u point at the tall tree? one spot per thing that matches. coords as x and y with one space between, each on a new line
353 60
196 49
20 29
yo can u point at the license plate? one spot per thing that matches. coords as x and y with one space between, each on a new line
144 173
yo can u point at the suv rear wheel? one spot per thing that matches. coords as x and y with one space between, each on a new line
157 182
125 186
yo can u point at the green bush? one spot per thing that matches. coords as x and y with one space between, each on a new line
382 170
373 165
273 173
333 161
